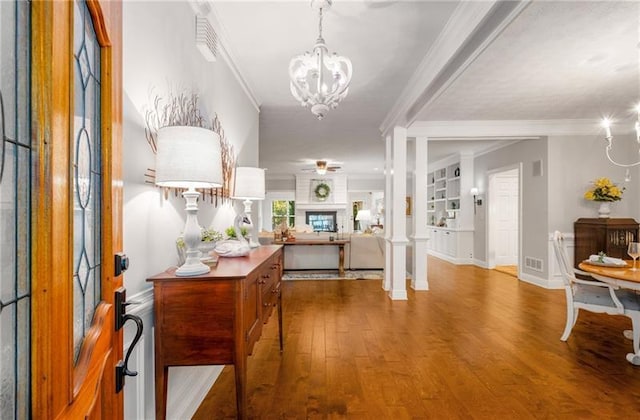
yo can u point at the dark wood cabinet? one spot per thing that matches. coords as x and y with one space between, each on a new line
610 236
215 318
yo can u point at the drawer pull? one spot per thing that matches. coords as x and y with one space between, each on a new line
266 304
266 276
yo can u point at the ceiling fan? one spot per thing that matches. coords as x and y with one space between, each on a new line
322 167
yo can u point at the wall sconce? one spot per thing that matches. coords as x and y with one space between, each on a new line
476 201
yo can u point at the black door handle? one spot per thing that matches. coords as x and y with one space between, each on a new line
122 370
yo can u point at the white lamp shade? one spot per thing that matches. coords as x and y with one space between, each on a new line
363 215
474 191
248 183
188 157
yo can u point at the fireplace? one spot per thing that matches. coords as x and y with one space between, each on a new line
322 221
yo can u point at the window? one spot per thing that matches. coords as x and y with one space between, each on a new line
283 211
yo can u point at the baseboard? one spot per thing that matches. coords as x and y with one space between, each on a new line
541 282
480 263
452 260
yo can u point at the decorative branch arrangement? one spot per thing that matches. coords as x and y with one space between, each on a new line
182 110
228 155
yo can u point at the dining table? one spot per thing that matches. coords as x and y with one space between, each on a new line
621 276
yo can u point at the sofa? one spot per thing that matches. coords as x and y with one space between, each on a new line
362 252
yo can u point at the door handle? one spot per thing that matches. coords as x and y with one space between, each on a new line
122 370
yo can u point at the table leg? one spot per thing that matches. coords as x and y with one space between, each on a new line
280 319
240 370
162 377
341 260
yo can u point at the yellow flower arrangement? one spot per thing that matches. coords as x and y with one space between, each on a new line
604 190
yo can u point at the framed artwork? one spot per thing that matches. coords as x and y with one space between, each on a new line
408 208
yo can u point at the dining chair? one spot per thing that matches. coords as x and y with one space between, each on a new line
594 295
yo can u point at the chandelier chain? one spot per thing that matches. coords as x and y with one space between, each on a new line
320 24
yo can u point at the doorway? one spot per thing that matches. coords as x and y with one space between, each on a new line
503 223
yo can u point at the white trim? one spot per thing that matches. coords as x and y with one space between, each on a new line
542 282
480 263
143 303
466 18
452 260
229 58
503 129
139 390
398 294
135 391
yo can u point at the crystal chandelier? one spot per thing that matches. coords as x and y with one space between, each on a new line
319 79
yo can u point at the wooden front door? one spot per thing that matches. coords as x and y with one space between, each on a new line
76 89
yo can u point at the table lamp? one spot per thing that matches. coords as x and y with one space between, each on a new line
363 217
189 157
248 185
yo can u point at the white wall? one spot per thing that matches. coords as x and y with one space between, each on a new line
357 188
535 209
574 162
160 55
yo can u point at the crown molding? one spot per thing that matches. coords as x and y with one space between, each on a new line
472 27
208 9
502 129
465 18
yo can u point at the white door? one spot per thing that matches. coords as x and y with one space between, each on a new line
504 221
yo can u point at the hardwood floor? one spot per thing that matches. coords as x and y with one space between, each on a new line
512 270
479 344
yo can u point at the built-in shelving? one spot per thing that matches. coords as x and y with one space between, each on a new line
443 193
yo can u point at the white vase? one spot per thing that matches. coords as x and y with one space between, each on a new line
605 209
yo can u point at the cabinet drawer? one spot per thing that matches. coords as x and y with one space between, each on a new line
269 301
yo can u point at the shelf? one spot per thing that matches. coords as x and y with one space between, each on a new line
454 198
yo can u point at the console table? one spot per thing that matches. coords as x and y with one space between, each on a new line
340 243
215 318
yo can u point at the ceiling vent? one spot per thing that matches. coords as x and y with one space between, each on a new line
206 39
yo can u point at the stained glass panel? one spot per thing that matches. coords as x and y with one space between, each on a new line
86 173
15 198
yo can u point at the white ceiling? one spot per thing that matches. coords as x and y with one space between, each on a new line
555 60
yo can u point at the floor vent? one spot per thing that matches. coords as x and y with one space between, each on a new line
533 263
206 39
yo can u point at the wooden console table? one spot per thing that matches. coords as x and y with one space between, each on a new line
340 243
215 318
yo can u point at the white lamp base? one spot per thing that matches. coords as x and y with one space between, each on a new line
253 243
192 236
192 270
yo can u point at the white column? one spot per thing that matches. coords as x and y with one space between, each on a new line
419 238
399 234
388 212
467 182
